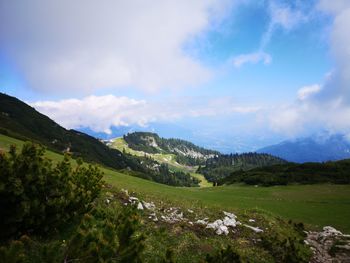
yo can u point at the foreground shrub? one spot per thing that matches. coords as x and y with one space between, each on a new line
289 248
36 196
107 235
103 235
227 255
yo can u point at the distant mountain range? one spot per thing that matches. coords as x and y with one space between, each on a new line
319 148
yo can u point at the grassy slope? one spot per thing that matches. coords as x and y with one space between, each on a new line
316 205
121 145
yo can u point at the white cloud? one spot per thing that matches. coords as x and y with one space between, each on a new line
100 113
310 116
97 113
252 58
334 6
325 106
281 16
83 45
338 85
307 91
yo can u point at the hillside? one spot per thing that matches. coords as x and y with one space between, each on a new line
175 223
22 121
222 166
319 148
186 152
282 174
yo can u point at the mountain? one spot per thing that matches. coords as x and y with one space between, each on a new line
185 152
19 120
319 148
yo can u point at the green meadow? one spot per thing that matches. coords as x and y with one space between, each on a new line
315 205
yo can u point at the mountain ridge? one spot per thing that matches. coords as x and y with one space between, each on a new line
318 148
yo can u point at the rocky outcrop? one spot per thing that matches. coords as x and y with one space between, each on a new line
329 246
172 215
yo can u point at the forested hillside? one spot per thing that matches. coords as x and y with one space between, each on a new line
289 173
222 166
186 152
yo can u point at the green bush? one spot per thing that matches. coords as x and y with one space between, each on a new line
103 235
36 196
107 235
289 248
227 255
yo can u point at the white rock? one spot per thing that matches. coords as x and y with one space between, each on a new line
251 220
190 211
133 200
201 222
229 221
140 206
149 206
255 229
216 224
108 201
230 215
328 230
173 215
222 230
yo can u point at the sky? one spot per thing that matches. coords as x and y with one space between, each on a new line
233 75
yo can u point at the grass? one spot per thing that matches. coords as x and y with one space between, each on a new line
315 205
6 142
203 182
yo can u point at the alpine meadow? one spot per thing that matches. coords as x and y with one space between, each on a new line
175 131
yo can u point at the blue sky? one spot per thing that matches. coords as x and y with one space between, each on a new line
233 75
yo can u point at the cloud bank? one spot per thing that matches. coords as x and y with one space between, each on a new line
84 45
101 113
